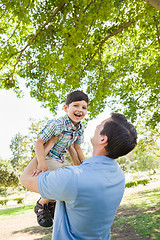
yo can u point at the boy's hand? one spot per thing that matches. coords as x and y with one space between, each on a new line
41 167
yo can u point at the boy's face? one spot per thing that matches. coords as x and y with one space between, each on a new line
76 110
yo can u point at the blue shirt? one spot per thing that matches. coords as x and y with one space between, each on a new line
88 197
67 134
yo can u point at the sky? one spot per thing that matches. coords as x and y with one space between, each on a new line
15 115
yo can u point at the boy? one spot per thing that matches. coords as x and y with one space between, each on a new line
60 135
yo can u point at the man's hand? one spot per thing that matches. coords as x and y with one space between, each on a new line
41 167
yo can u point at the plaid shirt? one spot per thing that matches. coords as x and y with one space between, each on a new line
68 134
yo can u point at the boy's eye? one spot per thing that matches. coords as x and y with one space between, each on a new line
75 105
84 108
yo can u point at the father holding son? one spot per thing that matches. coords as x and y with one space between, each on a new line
88 195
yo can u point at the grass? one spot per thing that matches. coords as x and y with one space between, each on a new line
141 213
7 212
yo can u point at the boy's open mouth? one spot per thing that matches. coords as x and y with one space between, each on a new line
78 114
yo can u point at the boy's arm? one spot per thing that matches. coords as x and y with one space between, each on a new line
40 155
41 152
48 146
79 151
26 178
74 156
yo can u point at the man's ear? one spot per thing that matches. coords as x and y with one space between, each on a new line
65 107
104 140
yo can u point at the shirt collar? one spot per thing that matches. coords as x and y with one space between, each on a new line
99 159
70 126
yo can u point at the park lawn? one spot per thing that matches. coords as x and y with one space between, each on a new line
138 213
7 212
137 218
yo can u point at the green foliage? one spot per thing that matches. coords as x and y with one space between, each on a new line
19 200
136 183
110 49
146 155
17 149
4 202
124 163
143 181
7 175
131 184
146 161
34 131
22 146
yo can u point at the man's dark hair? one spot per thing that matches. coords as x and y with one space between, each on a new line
122 136
76 96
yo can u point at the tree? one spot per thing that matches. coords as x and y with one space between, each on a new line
22 147
108 48
124 163
17 147
149 133
8 178
146 161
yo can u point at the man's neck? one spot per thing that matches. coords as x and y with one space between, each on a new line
98 152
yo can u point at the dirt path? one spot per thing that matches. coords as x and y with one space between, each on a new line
20 227
25 227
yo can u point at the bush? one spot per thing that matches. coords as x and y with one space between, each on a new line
136 183
131 184
19 200
143 181
3 202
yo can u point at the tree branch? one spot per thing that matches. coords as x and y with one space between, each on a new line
106 38
13 32
48 71
42 82
154 3
8 59
5 9
34 37
88 6
87 32
157 30
28 4
94 18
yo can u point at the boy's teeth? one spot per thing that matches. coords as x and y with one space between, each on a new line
79 115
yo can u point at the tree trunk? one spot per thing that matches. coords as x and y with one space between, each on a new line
5 191
154 3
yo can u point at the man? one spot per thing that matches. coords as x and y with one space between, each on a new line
88 195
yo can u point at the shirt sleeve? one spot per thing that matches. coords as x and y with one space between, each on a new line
59 185
53 128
